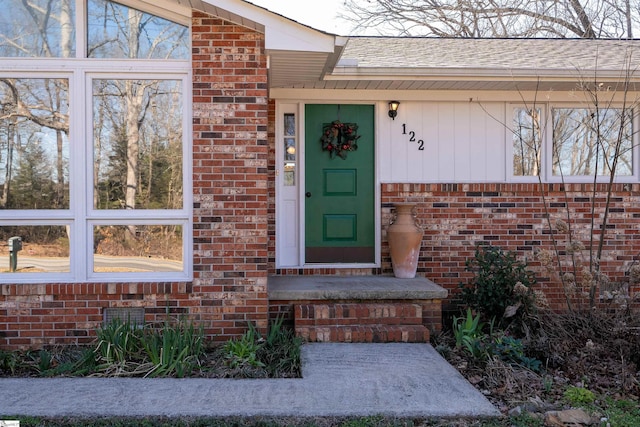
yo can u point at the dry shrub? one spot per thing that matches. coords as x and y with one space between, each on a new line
511 381
600 348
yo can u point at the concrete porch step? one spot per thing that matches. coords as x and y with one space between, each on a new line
357 308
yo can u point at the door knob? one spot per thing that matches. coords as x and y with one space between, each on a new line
307 194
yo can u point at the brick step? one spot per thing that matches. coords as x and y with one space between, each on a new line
365 334
360 322
344 314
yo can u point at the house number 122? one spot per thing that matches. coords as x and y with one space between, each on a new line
412 137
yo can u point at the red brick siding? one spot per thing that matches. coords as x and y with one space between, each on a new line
272 185
230 150
456 217
230 175
43 314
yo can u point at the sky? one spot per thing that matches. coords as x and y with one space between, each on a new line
321 15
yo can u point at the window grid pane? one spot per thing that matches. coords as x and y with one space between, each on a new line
588 143
137 248
147 36
34 144
137 144
290 148
37 28
41 249
527 142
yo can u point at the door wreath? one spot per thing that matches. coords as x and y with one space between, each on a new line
339 138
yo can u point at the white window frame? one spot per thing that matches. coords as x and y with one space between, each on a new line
509 142
288 211
81 217
546 166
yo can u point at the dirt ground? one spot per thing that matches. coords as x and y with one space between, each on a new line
597 351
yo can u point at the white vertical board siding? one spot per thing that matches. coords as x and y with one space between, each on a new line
462 141
494 142
431 154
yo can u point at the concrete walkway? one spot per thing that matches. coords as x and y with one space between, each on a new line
401 380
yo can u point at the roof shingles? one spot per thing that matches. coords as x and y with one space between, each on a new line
548 54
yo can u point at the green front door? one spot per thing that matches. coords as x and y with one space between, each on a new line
339 210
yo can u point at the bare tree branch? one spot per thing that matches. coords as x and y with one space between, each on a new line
495 18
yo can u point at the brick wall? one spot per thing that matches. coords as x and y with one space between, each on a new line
230 152
230 149
35 315
457 217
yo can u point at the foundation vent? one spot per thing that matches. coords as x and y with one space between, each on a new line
133 315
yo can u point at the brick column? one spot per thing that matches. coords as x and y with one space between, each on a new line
230 114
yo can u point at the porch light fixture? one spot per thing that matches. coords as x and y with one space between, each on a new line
393 109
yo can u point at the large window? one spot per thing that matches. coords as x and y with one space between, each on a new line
94 155
573 143
588 142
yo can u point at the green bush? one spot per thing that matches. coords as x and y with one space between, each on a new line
117 341
277 353
9 362
243 351
469 335
579 396
468 332
501 288
280 352
173 350
511 350
125 349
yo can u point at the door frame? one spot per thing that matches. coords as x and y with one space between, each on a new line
284 257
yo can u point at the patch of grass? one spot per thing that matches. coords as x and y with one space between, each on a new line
378 421
372 421
621 413
525 420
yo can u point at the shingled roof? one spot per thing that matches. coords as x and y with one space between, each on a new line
548 54
405 63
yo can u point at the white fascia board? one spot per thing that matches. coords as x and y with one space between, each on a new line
281 33
479 74
513 96
167 9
